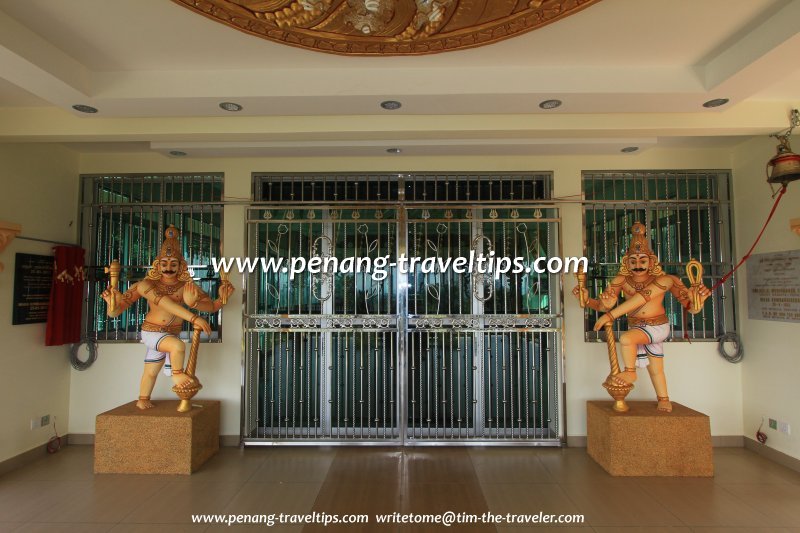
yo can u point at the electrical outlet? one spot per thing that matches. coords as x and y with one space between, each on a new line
773 424
45 420
784 427
36 423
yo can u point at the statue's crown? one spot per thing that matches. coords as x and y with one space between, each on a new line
171 247
640 244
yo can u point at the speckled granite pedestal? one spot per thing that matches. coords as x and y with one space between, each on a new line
647 442
156 441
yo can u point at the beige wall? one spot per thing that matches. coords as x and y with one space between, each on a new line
39 191
698 377
771 365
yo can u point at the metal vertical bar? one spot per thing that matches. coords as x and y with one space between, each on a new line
479 337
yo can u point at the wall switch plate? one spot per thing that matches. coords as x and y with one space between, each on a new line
36 423
784 427
773 424
45 420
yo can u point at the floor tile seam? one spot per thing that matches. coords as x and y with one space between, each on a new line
225 509
586 516
478 481
654 496
54 505
323 477
735 497
766 516
71 523
124 519
327 479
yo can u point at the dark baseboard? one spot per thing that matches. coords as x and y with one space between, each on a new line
772 454
87 439
718 441
26 458
77 439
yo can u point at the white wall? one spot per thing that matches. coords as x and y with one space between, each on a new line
697 376
771 366
39 191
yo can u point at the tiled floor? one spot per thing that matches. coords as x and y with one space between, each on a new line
60 493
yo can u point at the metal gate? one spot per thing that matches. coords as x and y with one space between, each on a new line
423 355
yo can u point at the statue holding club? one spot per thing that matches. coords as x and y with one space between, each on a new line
644 284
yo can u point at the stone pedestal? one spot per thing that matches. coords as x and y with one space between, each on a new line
160 440
648 442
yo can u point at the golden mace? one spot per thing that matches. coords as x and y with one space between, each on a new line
113 270
223 277
187 393
616 392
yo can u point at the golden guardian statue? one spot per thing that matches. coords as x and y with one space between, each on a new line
167 288
644 284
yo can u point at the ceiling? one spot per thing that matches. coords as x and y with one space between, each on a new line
629 73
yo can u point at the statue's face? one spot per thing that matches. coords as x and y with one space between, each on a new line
169 268
639 263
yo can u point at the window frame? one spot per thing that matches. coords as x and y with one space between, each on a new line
166 209
719 215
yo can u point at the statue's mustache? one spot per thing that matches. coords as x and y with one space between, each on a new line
640 270
167 271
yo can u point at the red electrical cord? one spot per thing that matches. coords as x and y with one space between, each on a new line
743 259
54 444
750 251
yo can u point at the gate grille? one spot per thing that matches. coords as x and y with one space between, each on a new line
413 358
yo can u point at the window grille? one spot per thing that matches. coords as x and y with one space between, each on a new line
417 187
687 214
124 218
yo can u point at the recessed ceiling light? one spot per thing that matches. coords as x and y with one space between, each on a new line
84 108
177 153
716 102
230 106
394 150
391 105
550 104
629 149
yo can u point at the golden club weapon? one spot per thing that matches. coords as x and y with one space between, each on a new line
224 277
113 270
581 276
187 393
616 392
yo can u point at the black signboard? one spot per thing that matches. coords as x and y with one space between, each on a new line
33 276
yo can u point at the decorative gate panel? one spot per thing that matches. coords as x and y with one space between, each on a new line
482 349
420 356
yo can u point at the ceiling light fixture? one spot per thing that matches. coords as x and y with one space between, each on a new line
391 105
394 150
84 108
629 149
230 106
550 104
177 153
716 102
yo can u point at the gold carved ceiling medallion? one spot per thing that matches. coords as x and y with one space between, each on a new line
386 27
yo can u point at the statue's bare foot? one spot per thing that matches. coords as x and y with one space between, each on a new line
182 381
144 403
664 404
623 379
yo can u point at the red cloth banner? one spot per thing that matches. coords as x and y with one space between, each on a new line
66 297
